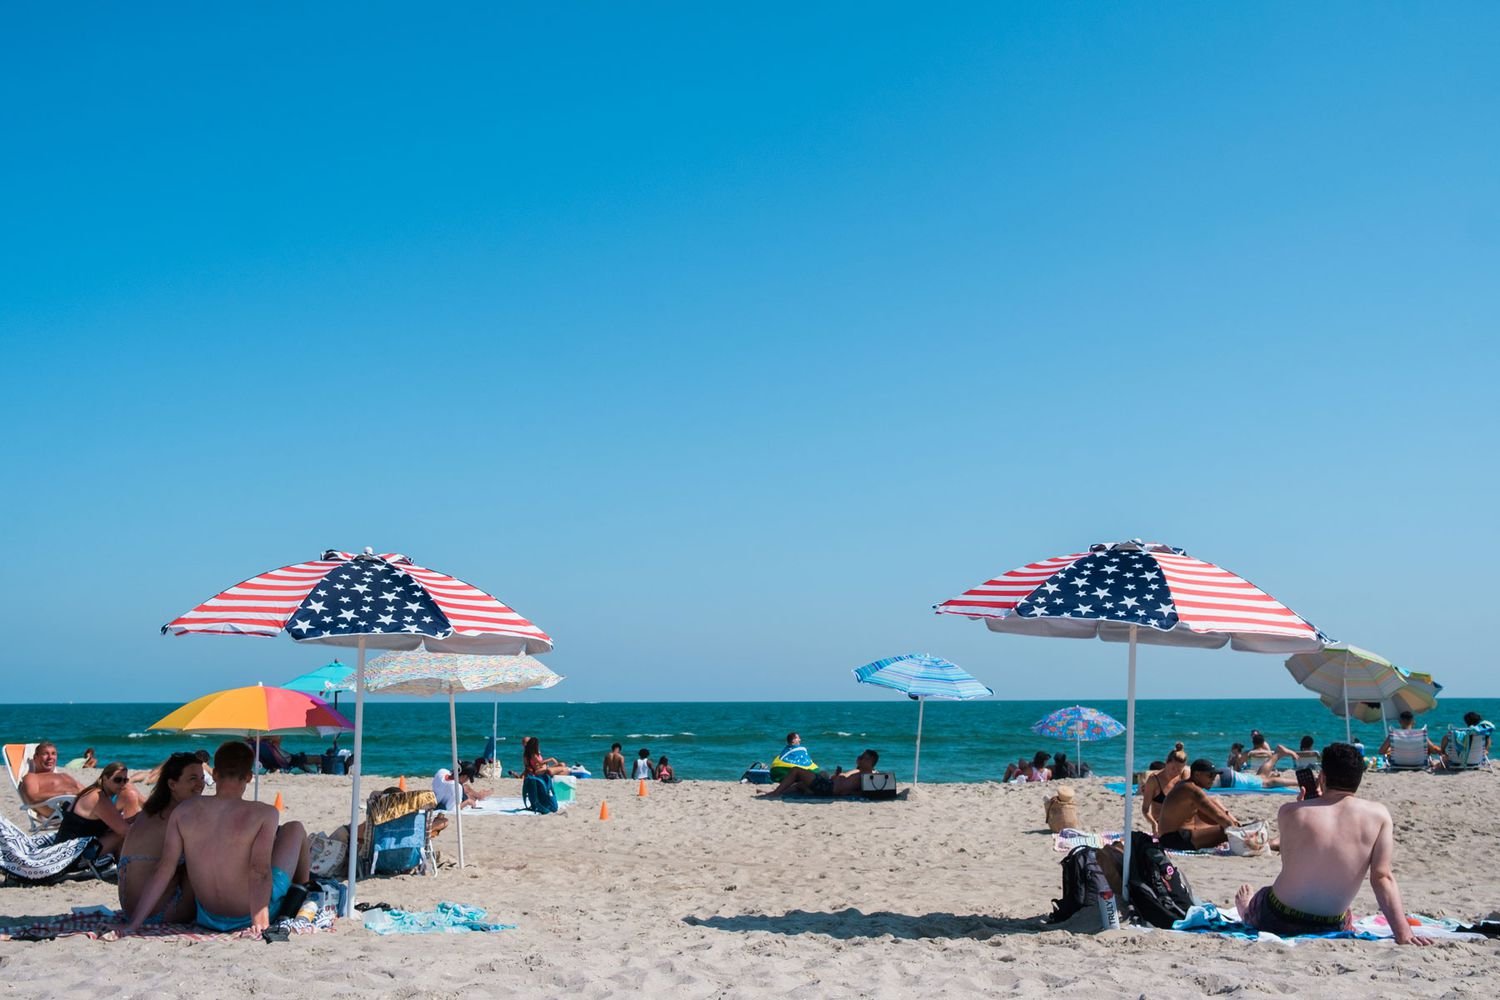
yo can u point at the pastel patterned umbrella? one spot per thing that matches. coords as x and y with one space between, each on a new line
419 672
1136 592
1078 723
255 712
365 600
920 676
1358 682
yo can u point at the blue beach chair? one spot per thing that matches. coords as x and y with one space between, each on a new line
537 794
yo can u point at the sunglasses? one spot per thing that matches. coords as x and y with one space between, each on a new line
121 779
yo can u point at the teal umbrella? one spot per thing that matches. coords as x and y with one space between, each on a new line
329 680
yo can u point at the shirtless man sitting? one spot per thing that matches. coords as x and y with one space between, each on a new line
806 782
1328 843
240 864
1190 818
45 781
614 762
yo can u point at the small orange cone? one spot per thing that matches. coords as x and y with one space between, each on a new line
280 805
401 783
604 810
642 793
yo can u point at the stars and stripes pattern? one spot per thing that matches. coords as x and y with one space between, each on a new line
343 596
1152 586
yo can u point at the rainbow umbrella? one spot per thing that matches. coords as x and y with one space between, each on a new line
256 711
1078 723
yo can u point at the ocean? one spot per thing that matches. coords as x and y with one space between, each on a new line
961 741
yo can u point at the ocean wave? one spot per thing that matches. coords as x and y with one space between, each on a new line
601 736
142 736
649 736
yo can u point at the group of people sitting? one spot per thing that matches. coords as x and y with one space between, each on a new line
1038 769
218 860
641 769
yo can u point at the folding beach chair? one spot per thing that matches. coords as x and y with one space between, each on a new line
1409 750
398 840
39 859
1465 749
42 815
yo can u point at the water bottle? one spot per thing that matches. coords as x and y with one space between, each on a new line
1109 911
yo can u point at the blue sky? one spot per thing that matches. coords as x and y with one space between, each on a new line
724 343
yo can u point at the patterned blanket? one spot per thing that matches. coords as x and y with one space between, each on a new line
99 923
37 857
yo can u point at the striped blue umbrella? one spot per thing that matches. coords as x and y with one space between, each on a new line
1078 723
920 676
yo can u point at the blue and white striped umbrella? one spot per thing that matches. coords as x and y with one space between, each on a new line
920 676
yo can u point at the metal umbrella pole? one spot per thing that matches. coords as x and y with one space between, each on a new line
356 769
1129 775
458 788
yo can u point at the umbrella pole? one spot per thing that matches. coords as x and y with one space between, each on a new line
255 767
336 708
1129 778
1078 752
458 788
358 765
1348 726
921 704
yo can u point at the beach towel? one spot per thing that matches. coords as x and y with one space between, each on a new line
1118 787
448 918
37 858
1207 918
100 923
503 805
1069 838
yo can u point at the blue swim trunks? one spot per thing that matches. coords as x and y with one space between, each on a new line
280 883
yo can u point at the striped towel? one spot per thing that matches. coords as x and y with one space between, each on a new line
1070 838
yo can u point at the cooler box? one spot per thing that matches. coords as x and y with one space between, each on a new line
563 788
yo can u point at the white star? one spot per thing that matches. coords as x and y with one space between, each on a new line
347 615
322 593
1164 610
426 618
327 619
316 606
387 619
1148 576
1130 586
304 625
1038 610
413 606
1129 602
1084 609
390 595
1112 568
411 628
1109 605
1101 593
1057 600
345 599
338 586
1049 587
361 588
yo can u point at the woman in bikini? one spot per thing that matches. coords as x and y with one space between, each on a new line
95 813
1158 784
536 763
181 779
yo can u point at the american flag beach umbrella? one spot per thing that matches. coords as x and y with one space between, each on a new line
365 600
1136 592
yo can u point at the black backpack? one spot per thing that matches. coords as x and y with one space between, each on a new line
1078 885
1159 891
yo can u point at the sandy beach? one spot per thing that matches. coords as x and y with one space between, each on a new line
702 889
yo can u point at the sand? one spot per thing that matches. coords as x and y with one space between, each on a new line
703 890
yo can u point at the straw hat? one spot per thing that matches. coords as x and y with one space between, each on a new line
1065 792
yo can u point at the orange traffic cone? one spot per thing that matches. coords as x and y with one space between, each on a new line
401 783
280 805
604 810
642 793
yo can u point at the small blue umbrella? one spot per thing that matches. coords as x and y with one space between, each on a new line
1078 723
920 676
331 679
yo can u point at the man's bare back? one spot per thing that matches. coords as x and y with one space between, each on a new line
227 843
1327 846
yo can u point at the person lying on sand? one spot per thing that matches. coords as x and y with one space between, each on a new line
816 783
241 865
1328 843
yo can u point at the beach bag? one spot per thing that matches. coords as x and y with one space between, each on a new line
1159 891
327 855
878 785
1084 886
1249 841
537 794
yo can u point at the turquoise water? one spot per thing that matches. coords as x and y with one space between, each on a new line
961 741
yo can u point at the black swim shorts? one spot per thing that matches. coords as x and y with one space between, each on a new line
1177 840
